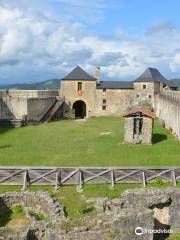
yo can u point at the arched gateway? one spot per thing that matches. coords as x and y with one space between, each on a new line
80 109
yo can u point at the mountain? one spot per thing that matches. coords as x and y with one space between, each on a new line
54 84
176 82
51 84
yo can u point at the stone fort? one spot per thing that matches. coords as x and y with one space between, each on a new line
81 95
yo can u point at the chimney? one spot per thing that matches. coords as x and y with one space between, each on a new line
97 74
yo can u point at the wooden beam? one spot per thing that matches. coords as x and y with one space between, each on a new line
69 176
80 179
11 175
43 175
173 178
127 175
25 181
57 182
144 179
112 178
97 175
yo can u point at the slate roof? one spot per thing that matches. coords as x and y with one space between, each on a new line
115 85
151 75
143 110
78 74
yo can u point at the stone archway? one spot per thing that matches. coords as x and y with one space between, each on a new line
80 109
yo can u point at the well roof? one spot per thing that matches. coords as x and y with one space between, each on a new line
143 110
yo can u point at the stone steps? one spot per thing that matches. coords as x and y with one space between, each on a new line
15 123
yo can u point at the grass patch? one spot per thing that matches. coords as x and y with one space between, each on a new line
15 216
175 237
72 143
39 216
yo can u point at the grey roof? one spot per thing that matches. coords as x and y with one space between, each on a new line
153 75
78 74
115 85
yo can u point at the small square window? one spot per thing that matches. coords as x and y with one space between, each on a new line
144 86
103 107
137 95
149 96
104 89
104 101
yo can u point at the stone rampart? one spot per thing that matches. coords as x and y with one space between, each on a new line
167 108
17 104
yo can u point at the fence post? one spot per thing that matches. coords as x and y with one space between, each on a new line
112 178
144 178
80 181
58 179
25 181
173 178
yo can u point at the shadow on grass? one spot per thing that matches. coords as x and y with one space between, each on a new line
157 137
5 146
88 210
5 218
4 130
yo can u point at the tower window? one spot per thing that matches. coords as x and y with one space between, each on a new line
144 86
137 95
104 101
79 87
104 89
103 107
149 96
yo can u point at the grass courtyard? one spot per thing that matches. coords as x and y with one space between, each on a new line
74 143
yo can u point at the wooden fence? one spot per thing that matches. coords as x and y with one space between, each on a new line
58 176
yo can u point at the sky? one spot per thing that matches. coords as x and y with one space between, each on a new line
46 39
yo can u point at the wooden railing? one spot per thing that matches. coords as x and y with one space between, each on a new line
58 176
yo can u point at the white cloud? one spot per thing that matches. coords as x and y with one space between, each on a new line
38 46
159 26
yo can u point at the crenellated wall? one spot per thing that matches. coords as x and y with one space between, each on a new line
167 108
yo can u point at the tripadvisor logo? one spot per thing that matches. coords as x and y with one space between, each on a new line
139 231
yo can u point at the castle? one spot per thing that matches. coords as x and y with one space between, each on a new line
81 95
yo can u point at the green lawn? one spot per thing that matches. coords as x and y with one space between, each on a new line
72 143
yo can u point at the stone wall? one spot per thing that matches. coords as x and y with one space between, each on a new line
147 128
116 219
118 101
14 103
36 201
37 107
70 93
167 108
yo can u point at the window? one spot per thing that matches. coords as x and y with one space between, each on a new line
103 107
79 86
149 96
137 95
104 89
144 86
104 101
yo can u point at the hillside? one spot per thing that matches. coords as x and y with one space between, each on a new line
51 84
176 82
